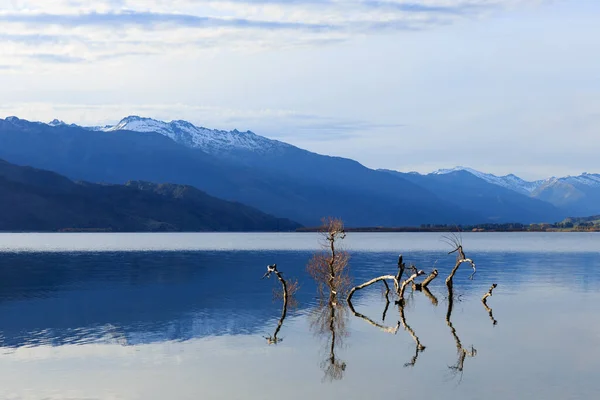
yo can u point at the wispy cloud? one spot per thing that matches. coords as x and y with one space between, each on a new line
151 20
108 29
57 58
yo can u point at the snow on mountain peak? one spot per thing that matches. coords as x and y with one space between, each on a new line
190 135
510 181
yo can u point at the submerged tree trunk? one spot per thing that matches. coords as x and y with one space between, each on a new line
272 269
426 281
405 284
460 259
369 283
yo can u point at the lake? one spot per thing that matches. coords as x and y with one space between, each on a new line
187 316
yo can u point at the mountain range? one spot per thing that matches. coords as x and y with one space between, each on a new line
286 181
579 195
38 200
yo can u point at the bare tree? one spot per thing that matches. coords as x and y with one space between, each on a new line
456 242
329 268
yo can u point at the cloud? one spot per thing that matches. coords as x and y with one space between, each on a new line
93 31
57 58
151 20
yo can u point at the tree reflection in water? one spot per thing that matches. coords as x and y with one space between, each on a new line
329 320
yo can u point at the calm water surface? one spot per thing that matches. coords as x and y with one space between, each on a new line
186 316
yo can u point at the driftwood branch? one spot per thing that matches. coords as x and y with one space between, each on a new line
456 242
400 272
458 264
426 281
369 283
405 284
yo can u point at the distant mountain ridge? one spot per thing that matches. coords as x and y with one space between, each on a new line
577 195
41 200
287 181
284 181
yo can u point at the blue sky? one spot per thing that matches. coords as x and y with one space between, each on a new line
498 85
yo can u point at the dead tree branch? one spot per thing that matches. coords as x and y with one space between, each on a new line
455 241
401 267
286 293
426 281
405 284
369 283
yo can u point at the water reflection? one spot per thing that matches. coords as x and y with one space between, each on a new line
487 308
329 321
386 329
75 314
461 351
419 348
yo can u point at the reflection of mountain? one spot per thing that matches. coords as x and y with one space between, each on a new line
59 298
145 297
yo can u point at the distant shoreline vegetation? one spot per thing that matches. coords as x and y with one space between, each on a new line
583 224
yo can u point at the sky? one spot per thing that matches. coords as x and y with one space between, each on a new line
502 86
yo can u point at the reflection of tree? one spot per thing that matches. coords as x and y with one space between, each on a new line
329 320
387 329
461 351
419 348
430 296
484 301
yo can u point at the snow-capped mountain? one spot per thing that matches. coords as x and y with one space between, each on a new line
517 184
210 140
580 194
583 179
510 181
